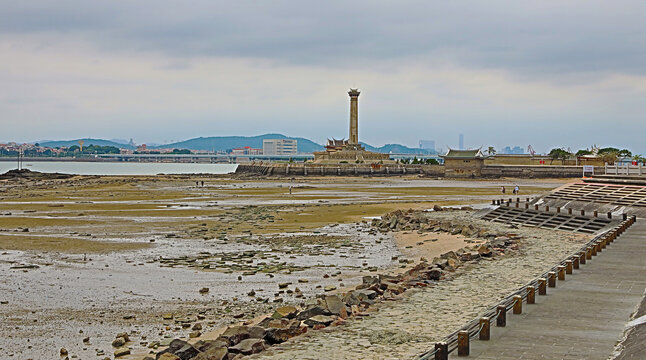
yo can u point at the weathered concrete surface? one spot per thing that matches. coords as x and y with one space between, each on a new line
584 317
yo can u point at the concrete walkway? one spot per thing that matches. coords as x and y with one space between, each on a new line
584 317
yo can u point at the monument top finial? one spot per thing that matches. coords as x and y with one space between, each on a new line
354 92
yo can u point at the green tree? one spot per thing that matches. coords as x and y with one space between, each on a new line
583 152
491 150
559 154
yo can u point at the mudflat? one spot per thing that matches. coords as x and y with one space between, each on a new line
87 257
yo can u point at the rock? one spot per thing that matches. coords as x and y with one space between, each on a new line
122 351
329 288
251 293
167 356
213 353
257 332
302 281
334 304
181 349
309 312
283 285
63 352
197 326
485 251
86 339
235 334
204 290
437 208
248 347
123 335
288 312
167 316
280 330
364 294
118 342
371 280
319 320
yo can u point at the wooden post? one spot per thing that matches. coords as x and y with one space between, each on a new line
463 343
588 252
535 207
441 351
547 208
485 328
531 295
526 205
598 246
493 202
518 304
568 266
582 212
517 204
575 262
582 257
542 288
595 213
624 216
501 318
558 210
609 215
594 249
561 272
551 279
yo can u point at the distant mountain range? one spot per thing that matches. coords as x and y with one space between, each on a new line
86 142
224 143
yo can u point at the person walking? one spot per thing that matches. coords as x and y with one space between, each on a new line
516 190
502 189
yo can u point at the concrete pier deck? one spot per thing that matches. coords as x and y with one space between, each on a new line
584 316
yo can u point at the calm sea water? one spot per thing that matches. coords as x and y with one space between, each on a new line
119 168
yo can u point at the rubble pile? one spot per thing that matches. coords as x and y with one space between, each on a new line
329 309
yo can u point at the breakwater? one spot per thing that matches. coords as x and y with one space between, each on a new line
487 171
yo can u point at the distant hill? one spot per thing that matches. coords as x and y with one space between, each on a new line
222 143
87 142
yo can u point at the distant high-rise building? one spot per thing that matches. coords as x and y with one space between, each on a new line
514 150
461 142
279 147
427 145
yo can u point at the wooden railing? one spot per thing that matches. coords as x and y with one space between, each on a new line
481 326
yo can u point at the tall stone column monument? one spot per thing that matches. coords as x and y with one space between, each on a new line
354 116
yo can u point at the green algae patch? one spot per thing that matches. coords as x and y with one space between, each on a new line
66 245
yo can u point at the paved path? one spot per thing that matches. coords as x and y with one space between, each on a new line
584 317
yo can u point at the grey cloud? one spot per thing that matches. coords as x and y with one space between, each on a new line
529 38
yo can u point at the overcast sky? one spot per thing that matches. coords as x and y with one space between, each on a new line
545 73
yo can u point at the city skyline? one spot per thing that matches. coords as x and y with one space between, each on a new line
568 75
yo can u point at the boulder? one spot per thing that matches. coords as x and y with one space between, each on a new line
118 342
319 320
235 334
280 330
333 304
309 312
287 312
257 332
205 345
181 349
213 353
365 294
248 347
122 351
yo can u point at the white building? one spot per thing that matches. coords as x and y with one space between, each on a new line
279 147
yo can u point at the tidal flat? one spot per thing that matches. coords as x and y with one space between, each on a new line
85 258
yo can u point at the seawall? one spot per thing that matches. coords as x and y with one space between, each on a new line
487 171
